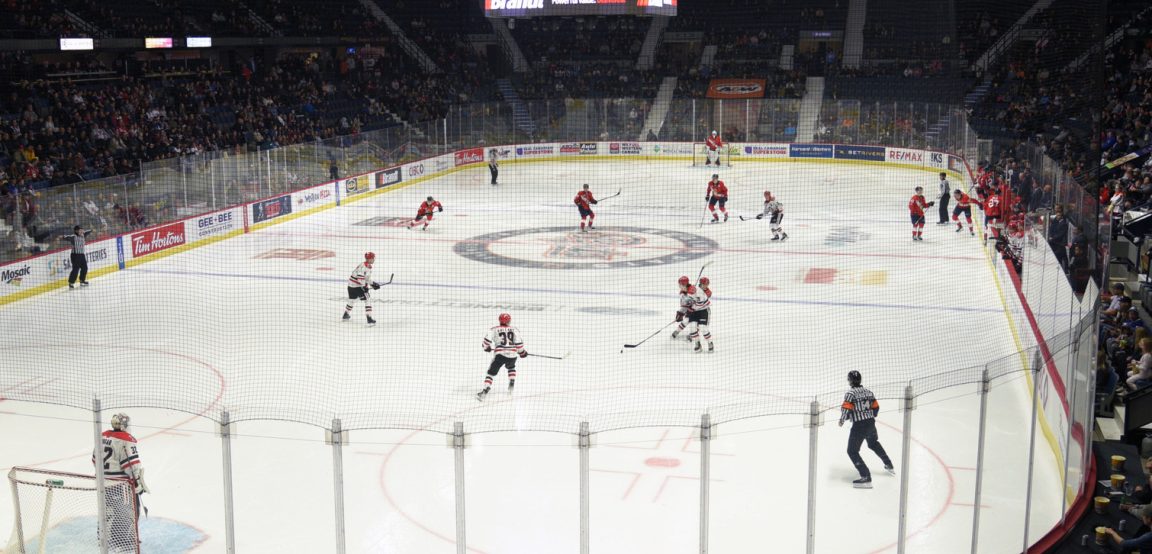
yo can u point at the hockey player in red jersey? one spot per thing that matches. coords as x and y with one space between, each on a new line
504 340
717 194
712 146
425 212
992 213
963 206
916 207
584 202
358 284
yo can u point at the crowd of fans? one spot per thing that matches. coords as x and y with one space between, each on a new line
580 38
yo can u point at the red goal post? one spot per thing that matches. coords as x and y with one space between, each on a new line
56 511
700 155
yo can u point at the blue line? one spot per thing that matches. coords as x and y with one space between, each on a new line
582 293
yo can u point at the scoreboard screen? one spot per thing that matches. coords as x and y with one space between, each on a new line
535 8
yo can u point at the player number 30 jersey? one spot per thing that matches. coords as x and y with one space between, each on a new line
118 456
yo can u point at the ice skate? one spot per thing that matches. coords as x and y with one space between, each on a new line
511 385
346 317
891 470
862 483
775 237
711 347
784 237
371 321
480 395
698 348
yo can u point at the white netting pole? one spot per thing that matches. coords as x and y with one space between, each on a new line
338 483
985 387
705 476
98 456
226 456
905 461
458 448
585 497
813 436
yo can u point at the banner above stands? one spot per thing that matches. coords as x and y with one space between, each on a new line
33 275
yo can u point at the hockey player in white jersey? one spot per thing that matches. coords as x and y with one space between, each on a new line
701 298
685 308
774 211
505 341
119 460
358 284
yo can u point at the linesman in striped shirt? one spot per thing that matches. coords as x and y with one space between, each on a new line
79 259
860 407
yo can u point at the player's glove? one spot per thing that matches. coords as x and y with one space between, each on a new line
440 209
759 216
487 348
595 201
679 316
523 353
932 203
141 486
375 285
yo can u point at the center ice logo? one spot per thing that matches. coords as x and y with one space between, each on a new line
608 248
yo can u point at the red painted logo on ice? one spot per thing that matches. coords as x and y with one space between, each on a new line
155 240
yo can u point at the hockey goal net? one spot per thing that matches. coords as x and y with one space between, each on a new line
700 155
57 512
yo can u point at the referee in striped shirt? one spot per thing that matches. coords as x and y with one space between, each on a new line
78 240
860 407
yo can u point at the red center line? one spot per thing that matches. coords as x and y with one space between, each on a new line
640 247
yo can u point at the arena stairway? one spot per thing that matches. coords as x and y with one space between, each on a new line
660 107
521 118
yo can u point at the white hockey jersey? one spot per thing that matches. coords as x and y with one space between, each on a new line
773 207
361 277
701 299
504 340
118 455
687 301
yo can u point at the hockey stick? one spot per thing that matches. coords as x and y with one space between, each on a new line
613 196
701 273
702 217
389 281
550 357
658 331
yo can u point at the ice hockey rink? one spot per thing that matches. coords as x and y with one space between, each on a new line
252 325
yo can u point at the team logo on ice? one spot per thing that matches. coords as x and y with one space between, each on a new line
567 248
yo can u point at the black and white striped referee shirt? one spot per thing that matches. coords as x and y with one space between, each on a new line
859 404
78 241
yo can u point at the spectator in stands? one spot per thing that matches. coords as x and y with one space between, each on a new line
1142 542
1058 237
1140 371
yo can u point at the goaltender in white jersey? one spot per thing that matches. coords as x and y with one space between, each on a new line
774 210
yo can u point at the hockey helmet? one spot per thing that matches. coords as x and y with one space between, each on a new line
714 132
120 422
854 378
704 282
430 199
768 194
715 175
505 319
585 186
369 256
684 281
919 189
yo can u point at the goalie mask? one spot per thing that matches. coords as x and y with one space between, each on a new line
120 422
